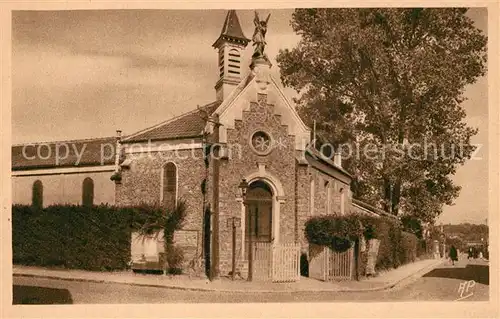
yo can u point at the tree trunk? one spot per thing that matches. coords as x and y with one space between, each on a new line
387 195
357 257
396 196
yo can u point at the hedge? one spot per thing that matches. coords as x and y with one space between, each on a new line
78 237
333 231
396 246
409 244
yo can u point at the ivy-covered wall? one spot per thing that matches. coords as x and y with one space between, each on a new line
396 246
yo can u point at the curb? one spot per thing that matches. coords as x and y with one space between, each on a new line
416 274
102 281
166 286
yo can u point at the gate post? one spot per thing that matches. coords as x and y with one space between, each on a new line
272 262
326 256
356 258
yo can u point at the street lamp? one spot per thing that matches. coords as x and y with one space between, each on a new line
243 188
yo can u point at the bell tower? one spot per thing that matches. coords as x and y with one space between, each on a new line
231 43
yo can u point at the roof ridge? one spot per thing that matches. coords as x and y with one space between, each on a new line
65 141
126 138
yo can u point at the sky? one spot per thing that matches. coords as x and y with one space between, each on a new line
85 74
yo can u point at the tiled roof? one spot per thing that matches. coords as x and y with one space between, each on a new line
373 209
232 28
89 152
320 157
187 125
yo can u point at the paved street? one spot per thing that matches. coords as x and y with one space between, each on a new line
440 284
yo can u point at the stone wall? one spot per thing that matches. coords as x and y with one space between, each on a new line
303 205
280 163
141 183
321 180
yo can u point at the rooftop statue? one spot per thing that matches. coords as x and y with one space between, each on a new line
259 37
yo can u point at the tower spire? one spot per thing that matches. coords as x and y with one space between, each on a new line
230 43
231 30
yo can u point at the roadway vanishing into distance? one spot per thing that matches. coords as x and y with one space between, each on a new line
440 284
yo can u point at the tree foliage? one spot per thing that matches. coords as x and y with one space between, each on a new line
166 220
393 80
467 232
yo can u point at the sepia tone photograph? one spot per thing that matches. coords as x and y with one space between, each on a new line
250 155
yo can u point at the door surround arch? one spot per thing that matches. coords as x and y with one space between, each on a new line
278 198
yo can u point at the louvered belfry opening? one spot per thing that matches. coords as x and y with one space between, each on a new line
230 44
234 62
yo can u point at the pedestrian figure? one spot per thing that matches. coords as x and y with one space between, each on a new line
453 254
469 256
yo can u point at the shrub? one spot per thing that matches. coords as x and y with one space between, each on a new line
385 257
333 231
158 219
81 237
70 236
409 243
422 248
371 227
396 247
175 258
412 225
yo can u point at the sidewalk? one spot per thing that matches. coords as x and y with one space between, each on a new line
384 281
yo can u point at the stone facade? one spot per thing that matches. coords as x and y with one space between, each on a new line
142 183
280 162
256 107
327 192
302 183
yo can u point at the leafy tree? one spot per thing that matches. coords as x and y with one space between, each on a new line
387 82
467 232
412 225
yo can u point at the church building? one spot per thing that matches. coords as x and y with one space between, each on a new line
249 133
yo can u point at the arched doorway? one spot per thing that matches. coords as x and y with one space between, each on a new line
259 214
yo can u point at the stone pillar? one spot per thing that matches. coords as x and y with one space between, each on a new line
435 249
260 68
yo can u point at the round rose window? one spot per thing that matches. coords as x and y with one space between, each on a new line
261 142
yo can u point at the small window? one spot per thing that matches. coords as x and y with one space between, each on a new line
342 200
328 191
37 194
312 191
88 192
169 192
